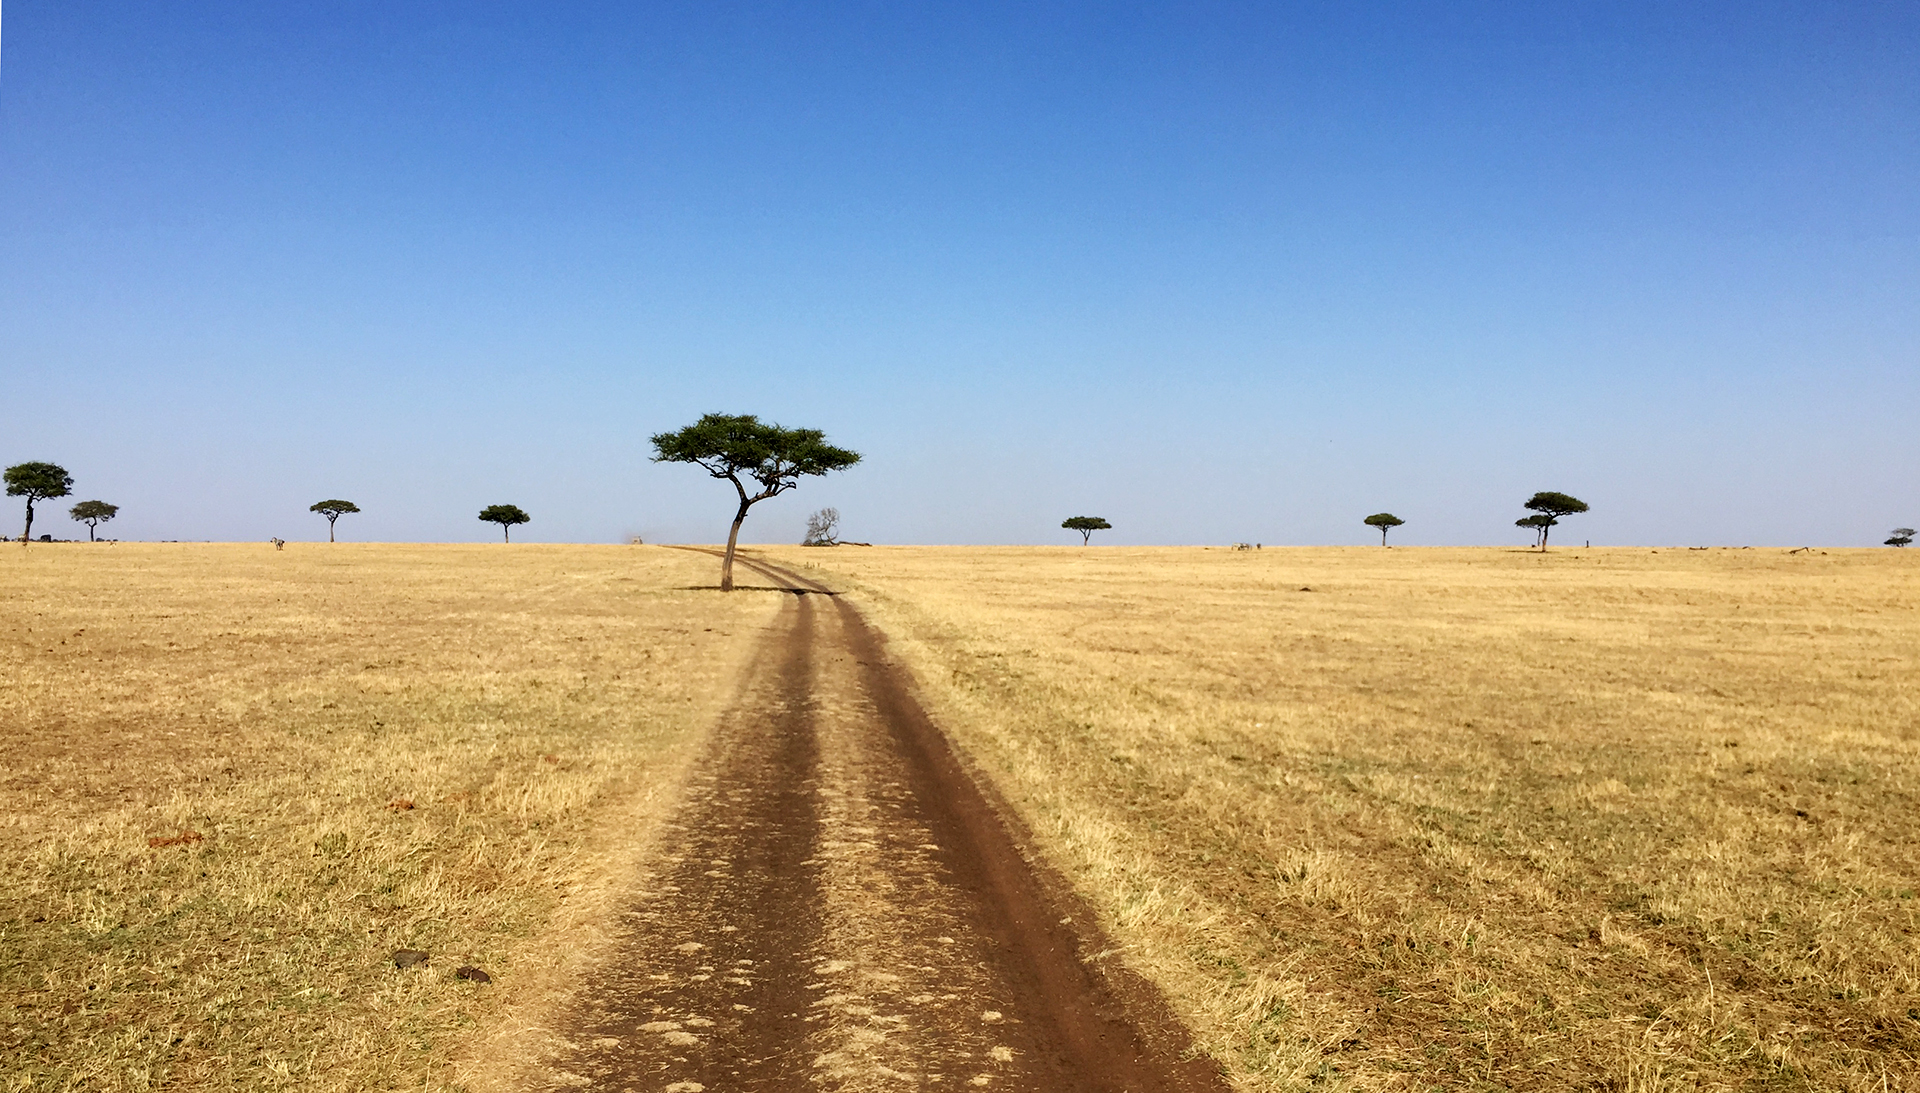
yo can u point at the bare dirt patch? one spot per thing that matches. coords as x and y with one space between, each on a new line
706 982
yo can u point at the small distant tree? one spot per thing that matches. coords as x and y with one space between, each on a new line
506 516
823 528
93 514
37 482
1538 524
1383 521
1901 537
1086 526
333 510
736 446
1553 506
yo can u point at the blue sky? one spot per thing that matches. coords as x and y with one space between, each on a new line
1217 272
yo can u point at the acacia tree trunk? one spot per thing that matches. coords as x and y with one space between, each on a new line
330 521
27 535
733 537
1383 536
506 532
90 537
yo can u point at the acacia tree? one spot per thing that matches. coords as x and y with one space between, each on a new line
333 510
506 516
1086 526
1383 521
1552 506
93 514
1901 537
1538 525
37 482
740 446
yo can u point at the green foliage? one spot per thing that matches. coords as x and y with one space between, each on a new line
506 516
1901 537
93 514
1383 521
1554 504
1086 526
733 446
38 481
737 446
1551 506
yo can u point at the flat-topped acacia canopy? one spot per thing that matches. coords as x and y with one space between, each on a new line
1385 521
506 516
93 514
737 446
333 509
1086 526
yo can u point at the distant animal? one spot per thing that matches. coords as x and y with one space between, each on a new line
278 544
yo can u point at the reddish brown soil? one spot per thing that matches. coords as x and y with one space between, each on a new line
842 907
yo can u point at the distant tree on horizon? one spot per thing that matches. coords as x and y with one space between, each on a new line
333 509
506 516
1553 506
92 514
1383 521
37 482
822 528
1901 537
1538 524
1086 526
733 446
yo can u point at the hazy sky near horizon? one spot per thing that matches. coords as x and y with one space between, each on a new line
1216 272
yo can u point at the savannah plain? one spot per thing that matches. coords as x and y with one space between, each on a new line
1462 819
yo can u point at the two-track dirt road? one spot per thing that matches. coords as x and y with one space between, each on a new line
841 908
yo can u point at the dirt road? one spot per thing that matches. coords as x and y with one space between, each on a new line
840 908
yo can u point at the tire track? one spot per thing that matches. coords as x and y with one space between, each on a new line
846 909
705 987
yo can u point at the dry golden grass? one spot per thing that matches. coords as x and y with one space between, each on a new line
1463 819
1452 819
206 850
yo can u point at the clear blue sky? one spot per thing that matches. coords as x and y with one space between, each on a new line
1213 271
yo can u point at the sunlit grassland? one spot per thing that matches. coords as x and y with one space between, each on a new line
343 751
1462 819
